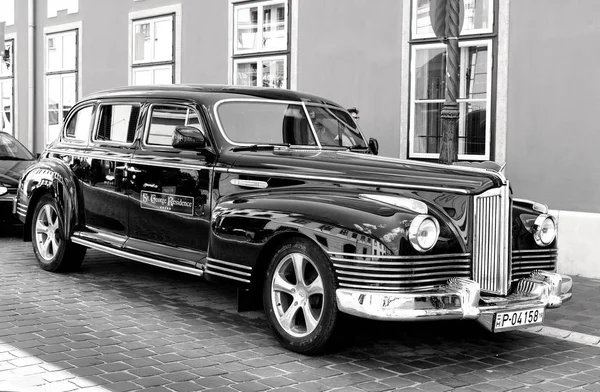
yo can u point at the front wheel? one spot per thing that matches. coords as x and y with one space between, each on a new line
299 297
52 251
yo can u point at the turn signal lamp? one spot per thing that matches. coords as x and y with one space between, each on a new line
544 230
3 190
423 232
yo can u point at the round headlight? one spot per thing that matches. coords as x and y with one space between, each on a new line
544 230
423 232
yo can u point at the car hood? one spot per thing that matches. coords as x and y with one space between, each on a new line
365 169
11 171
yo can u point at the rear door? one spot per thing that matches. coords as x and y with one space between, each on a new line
169 189
105 187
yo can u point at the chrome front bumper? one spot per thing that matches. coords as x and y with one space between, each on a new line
460 298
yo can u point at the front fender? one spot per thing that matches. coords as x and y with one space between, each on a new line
53 177
340 222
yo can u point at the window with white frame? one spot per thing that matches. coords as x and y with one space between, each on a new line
261 44
60 79
7 90
428 82
71 6
8 12
153 50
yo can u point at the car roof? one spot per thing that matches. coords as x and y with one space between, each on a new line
209 92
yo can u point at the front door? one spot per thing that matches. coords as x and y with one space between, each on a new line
169 213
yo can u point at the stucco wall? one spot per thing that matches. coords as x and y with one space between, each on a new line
18 31
554 94
351 54
105 45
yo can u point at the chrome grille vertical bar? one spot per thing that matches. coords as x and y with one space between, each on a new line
491 240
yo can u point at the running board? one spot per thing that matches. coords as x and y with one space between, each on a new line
141 259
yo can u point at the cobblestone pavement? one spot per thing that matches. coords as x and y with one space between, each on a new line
118 325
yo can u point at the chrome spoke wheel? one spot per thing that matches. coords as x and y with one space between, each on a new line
46 232
297 295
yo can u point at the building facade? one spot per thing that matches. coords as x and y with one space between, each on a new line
527 74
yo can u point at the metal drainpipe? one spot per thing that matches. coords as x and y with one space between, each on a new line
30 74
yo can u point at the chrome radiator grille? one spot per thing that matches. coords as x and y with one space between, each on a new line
524 262
491 241
398 273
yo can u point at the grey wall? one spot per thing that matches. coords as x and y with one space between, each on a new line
20 70
105 45
352 54
554 94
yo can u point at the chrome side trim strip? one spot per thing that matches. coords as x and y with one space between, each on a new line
211 266
529 257
409 267
92 155
406 275
416 257
405 264
162 163
464 169
227 276
518 252
210 259
349 181
141 259
249 183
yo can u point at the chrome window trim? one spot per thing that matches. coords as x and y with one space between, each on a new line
97 118
76 109
146 133
276 101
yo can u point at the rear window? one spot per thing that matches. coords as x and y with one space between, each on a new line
118 123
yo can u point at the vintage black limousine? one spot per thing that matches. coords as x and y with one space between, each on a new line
279 193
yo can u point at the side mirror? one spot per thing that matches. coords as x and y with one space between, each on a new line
374 146
188 138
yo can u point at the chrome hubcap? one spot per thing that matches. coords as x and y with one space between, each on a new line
297 295
46 232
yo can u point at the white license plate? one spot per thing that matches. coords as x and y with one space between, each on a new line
510 320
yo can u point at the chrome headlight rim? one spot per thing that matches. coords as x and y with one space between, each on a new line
537 229
413 232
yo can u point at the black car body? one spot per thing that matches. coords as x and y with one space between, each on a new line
14 159
278 192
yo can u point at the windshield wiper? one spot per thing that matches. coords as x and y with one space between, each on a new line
256 147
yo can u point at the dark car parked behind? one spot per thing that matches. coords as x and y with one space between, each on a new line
14 159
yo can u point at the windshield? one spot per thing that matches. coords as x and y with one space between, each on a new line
287 123
10 148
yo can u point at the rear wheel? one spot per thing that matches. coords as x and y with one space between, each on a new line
299 297
52 251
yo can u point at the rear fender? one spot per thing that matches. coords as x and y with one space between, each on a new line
52 177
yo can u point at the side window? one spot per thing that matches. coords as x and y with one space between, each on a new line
165 119
79 125
118 122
